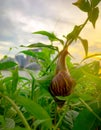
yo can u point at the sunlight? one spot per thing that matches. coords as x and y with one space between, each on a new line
1 56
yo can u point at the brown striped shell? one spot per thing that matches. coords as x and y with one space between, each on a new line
62 83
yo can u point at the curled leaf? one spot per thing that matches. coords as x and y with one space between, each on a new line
7 64
93 15
83 5
37 55
51 36
94 3
36 110
91 56
39 45
74 34
85 45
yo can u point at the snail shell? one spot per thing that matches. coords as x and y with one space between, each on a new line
62 83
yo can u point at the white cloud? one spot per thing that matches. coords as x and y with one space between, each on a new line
19 18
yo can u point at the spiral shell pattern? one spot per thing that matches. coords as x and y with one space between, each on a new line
61 84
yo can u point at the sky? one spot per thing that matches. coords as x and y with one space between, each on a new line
19 18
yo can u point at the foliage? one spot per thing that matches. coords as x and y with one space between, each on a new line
26 103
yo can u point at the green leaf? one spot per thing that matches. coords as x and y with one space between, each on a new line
15 77
32 84
23 78
74 34
7 64
9 123
39 45
2 87
51 36
37 55
7 84
77 73
91 56
68 120
94 79
17 128
37 123
94 3
85 45
93 15
86 119
84 5
2 120
36 110
45 81
7 79
92 68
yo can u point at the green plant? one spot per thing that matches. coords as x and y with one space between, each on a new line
26 103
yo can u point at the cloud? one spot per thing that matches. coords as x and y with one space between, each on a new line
19 18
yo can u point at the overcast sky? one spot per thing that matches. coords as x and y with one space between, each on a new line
19 18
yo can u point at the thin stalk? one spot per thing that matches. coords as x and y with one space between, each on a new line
90 109
32 88
18 111
83 25
51 64
68 42
32 85
61 118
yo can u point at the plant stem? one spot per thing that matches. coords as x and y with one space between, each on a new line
51 64
32 88
18 111
83 25
68 42
90 109
61 118
59 122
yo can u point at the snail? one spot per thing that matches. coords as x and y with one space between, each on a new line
62 83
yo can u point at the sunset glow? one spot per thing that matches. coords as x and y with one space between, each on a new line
22 17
